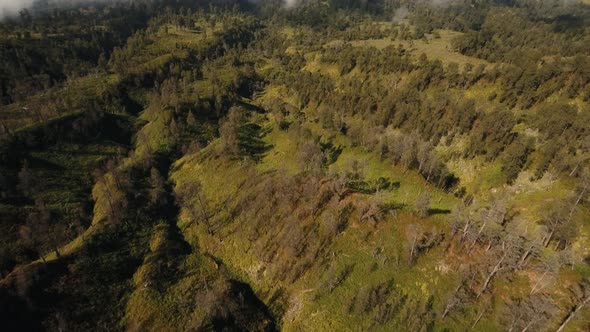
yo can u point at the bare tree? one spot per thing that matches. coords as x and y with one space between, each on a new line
190 193
490 220
26 180
229 130
423 205
408 156
528 314
533 248
503 258
111 194
157 191
461 220
548 270
414 233
459 297
370 210
311 157
424 155
39 232
581 298
4 186
358 169
559 225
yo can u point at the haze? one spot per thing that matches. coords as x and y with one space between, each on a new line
12 6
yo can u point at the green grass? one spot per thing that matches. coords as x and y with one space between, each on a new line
434 48
222 179
62 174
176 260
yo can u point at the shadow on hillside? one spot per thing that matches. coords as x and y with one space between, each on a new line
39 163
387 207
251 107
432 212
331 151
371 187
250 141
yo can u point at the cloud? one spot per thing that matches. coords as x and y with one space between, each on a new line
400 14
285 3
290 3
12 7
9 7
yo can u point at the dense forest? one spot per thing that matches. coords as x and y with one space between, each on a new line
311 165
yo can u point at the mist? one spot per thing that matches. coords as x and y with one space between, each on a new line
10 7
290 3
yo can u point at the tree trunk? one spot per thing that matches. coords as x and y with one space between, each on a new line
478 235
477 319
528 325
534 289
491 275
412 251
451 303
572 313
465 229
524 257
577 202
548 238
574 170
489 246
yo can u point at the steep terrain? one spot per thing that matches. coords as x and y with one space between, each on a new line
314 168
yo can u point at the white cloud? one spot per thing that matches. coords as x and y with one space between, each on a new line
290 3
8 7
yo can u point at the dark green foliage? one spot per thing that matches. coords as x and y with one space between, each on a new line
250 141
491 134
381 184
214 95
70 48
515 158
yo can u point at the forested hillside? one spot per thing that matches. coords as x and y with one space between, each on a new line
301 166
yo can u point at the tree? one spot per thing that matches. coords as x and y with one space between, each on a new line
423 205
26 180
370 210
548 269
582 189
424 155
528 314
489 222
461 220
334 222
311 158
533 248
515 158
559 225
191 121
157 191
414 233
109 194
4 186
39 232
460 296
491 134
358 169
229 130
408 148
581 297
503 257
187 194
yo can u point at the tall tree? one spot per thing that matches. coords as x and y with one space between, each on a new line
157 191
